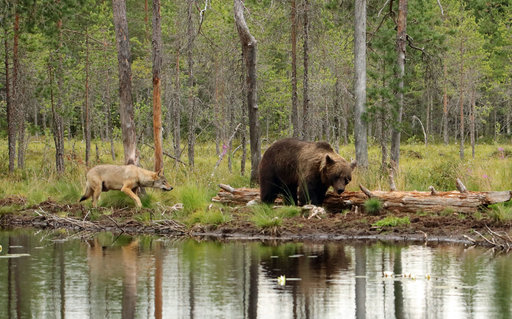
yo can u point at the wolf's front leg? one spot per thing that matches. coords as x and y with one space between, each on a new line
127 190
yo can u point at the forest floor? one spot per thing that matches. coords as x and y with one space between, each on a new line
447 227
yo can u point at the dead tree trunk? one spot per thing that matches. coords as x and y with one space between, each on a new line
400 47
461 100
11 117
295 115
472 122
399 201
125 81
191 87
176 111
445 105
157 105
87 115
249 52
58 125
360 126
305 107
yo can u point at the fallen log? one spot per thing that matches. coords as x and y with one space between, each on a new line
400 201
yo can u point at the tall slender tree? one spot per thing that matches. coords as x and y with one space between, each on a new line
401 40
249 46
157 66
191 85
295 115
125 81
360 126
305 84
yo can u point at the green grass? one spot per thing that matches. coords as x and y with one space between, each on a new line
213 217
392 221
501 213
372 206
437 164
264 216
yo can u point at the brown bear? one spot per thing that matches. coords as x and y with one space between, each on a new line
290 165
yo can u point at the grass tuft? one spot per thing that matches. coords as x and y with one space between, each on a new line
116 199
501 213
392 221
265 217
372 206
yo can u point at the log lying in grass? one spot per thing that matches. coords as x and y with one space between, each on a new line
408 202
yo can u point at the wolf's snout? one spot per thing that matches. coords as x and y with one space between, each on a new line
167 188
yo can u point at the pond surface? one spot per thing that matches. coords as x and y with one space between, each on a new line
112 276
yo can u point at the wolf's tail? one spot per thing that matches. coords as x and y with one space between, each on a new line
88 193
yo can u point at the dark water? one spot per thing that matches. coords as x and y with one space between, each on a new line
150 277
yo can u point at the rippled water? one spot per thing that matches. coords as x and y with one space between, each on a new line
151 277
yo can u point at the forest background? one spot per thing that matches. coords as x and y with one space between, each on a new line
60 62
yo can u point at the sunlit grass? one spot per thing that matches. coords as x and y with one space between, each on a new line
420 166
392 221
501 213
372 206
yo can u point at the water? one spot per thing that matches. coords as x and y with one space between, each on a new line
150 277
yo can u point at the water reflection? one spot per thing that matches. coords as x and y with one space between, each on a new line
150 277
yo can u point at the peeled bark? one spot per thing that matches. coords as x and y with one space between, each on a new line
295 115
11 115
399 201
157 104
125 81
191 88
305 106
360 126
249 52
87 112
400 47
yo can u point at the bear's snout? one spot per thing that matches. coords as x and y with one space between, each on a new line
340 190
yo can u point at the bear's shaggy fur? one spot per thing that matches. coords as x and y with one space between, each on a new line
290 165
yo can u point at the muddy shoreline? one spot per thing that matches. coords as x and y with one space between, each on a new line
448 228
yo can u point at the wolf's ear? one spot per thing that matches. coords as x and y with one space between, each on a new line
160 172
353 164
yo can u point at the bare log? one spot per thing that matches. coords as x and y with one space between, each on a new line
460 186
411 201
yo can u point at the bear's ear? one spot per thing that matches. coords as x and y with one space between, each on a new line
328 160
353 164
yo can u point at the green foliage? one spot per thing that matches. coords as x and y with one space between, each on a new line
64 191
193 197
212 217
265 217
372 206
392 221
501 213
116 199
